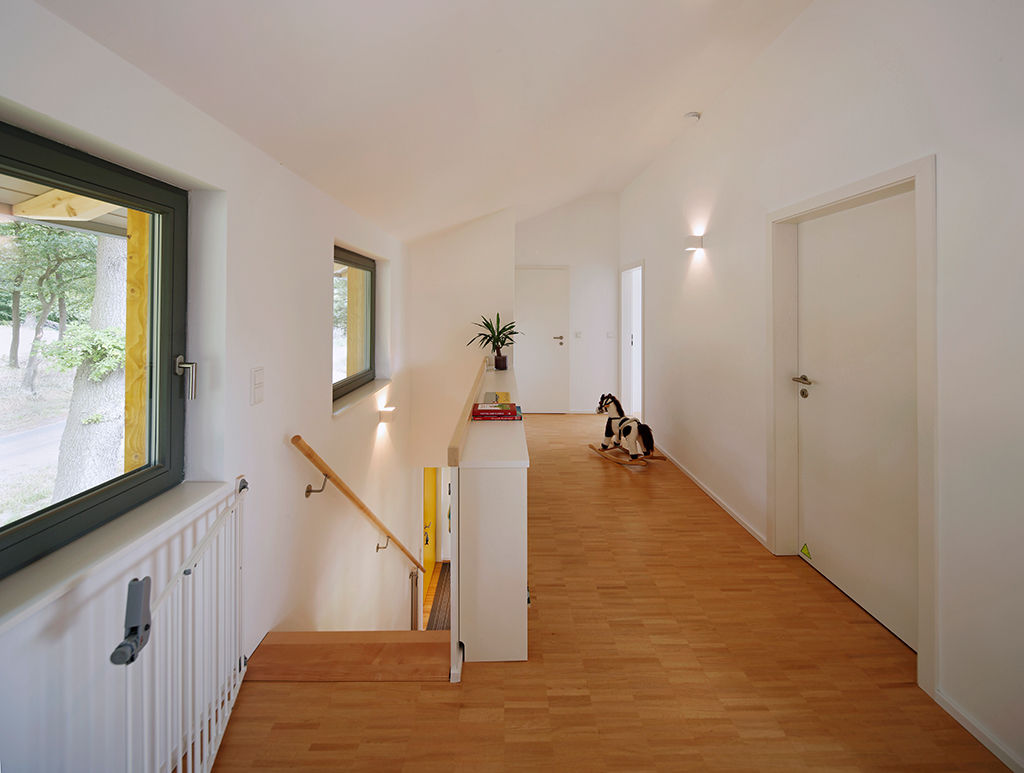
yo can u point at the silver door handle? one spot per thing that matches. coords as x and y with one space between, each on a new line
558 338
802 379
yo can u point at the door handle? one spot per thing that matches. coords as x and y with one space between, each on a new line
558 338
188 370
802 379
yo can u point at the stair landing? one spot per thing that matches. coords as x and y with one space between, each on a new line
351 656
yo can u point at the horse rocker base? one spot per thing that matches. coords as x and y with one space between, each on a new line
623 458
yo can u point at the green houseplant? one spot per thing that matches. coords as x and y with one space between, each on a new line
495 335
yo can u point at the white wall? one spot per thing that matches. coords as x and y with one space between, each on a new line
454 277
853 88
583 235
260 295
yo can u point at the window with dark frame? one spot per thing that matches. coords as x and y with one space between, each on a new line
355 279
92 315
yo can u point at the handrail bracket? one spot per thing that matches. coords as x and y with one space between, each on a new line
311 490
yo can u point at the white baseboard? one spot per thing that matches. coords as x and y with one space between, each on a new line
721 502
979 731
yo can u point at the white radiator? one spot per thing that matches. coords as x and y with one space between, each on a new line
180 690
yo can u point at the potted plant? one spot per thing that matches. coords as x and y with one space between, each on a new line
495 335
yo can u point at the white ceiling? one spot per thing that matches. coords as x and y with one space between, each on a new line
421 114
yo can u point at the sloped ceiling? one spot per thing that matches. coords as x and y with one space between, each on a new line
421 114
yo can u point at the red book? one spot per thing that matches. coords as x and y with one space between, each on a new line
517 416
494 409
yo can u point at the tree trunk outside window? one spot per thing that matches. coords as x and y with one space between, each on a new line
91 446
12 358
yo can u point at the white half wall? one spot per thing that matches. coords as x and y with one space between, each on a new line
853 88
454 277
583 235
260 265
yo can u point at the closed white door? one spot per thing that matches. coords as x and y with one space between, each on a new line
542 351
631 355
858 416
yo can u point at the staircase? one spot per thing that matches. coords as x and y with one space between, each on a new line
351 656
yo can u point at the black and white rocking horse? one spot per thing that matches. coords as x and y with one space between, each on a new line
624 433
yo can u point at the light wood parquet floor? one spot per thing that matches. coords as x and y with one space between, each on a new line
662 638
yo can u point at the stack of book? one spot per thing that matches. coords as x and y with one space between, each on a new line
497 412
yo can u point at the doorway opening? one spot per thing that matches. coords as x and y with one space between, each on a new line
792 421
631 373
437 549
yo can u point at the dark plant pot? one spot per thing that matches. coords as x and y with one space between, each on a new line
500 362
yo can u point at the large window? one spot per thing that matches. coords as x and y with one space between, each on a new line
92 316
355 278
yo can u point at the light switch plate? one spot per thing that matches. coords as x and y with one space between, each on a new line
255 386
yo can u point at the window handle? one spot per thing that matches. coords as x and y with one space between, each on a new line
188 370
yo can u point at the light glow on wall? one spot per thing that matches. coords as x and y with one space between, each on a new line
693 243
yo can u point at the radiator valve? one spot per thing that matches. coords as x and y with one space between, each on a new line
137 623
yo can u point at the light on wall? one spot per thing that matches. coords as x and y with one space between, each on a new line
387 413
691 243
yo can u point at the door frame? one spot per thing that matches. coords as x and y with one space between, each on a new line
782 480
642 265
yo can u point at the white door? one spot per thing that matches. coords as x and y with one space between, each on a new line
631 356
542 351
858 421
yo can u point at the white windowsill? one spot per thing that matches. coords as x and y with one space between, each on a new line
49 578
357 396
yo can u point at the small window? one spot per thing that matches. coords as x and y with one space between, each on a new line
92 315
355 279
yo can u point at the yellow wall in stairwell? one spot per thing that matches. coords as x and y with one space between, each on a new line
429 524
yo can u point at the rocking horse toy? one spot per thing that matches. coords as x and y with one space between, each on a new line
625 434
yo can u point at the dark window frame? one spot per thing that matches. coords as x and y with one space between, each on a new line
354 259
43 161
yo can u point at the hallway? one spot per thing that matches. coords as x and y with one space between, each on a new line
662 637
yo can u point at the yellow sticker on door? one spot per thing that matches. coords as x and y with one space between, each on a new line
805 551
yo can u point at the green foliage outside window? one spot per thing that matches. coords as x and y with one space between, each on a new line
45 264
340 303
102 350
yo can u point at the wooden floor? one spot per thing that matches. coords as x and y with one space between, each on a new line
662 638
351 656
440 618
431 592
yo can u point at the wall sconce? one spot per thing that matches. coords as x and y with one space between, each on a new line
387 413
691 243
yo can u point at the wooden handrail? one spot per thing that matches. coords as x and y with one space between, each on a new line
332 476
462 425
